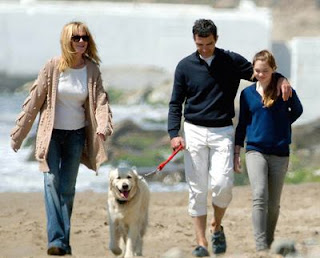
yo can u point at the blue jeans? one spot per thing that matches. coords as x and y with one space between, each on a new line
64 154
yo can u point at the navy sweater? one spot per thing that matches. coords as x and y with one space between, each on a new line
207 92
268 130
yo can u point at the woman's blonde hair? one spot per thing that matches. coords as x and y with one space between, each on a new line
270 93
67 56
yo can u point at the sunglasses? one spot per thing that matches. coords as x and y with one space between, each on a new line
77 38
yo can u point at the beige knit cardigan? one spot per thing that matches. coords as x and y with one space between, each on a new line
42 98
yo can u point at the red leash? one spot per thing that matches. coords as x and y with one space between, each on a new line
161 166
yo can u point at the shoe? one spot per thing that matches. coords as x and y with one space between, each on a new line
218 241
56 251
200 251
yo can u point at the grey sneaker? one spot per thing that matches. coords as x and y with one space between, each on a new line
218 241
200 251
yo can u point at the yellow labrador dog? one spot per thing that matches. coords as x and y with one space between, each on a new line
128 204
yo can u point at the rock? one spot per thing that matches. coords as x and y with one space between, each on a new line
12 83
138 147
136 85
129 77
284 247
174 252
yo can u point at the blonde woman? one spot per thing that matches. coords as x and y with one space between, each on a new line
75 120
265 121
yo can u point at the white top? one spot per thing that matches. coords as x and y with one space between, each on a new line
71 95
208 59
259 88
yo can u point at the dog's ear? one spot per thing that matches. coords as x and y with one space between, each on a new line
134 170
111 173
112 176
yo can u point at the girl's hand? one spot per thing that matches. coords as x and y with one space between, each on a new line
237 163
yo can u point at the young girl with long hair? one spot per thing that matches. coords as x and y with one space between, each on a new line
265 122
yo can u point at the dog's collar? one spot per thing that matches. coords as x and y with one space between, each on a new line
122 201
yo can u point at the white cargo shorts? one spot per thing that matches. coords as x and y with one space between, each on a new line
208 161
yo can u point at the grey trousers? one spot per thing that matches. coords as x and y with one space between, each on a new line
266 175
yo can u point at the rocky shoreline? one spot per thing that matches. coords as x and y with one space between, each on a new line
145 147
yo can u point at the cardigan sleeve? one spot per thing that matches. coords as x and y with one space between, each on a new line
30 108
103 110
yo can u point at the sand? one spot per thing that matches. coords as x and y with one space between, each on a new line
23 223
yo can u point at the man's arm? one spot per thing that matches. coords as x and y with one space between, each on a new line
296 108
175 108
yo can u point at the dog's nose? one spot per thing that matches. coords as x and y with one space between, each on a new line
125 186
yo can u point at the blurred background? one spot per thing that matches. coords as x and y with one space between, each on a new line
140 43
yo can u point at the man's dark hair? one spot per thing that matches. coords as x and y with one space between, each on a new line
204 28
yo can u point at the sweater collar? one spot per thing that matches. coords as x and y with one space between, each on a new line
217 53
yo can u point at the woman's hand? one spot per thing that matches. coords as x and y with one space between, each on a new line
14 146
101 136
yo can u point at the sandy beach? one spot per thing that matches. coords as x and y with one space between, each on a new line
23 234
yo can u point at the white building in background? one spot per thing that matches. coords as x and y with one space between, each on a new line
305 75
134 34
157 35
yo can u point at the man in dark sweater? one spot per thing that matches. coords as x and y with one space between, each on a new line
205 86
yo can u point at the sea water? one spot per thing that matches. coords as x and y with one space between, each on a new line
20 175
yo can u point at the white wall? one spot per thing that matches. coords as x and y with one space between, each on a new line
305 71
126 33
